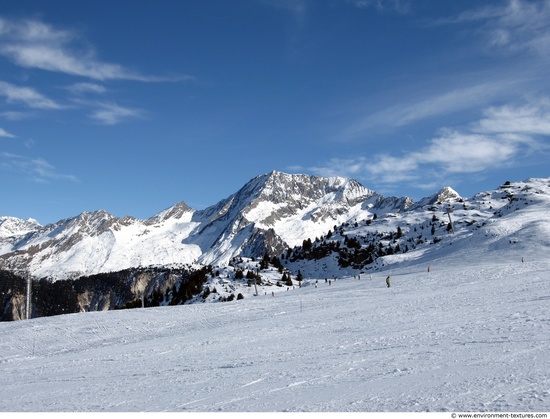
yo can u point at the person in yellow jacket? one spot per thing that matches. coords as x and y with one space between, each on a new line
388 281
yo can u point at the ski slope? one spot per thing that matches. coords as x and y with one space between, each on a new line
470 335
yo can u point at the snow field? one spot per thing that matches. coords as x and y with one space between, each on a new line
463 337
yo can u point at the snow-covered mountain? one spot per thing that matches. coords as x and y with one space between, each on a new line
307 227
514 218
463 328
267 215
10 226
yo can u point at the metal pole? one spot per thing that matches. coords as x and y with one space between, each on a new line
450 221
28 302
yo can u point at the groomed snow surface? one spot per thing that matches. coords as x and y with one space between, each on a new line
471 336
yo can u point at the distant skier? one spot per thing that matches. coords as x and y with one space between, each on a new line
388 281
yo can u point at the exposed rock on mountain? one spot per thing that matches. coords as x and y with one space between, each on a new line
267 215
276 227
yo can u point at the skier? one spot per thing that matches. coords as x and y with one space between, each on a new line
388 281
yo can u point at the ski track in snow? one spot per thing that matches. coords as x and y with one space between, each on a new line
460 338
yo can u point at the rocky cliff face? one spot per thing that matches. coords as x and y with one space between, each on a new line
274 214
267 215
131 288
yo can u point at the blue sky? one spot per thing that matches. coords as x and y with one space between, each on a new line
132 106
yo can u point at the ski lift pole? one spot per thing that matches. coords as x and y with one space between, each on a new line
450 221
28 301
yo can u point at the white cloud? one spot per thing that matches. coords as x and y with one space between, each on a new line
15 115
4 133
531 119
27 96
80 88
112 114
37 169
34 44
458 152
517 25
399 6
504 135
436 104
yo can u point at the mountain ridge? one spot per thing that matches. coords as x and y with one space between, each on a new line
269 214
111 263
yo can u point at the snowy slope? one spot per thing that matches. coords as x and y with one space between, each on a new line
12 225
470 335
513 218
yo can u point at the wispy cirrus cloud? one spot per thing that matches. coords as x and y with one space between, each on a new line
502 136
83 88
425 106
112 114
517 25
4 133
27 96
409 112
399 6
15 115
531 119
36 169
33 44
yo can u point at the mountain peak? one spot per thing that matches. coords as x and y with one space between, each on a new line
175 211
271 213
12 226
281 187
446 194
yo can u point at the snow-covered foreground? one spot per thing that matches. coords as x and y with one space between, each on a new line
471 337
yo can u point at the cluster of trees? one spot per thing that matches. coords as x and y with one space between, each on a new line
12 287
112 290
360 251
191 285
